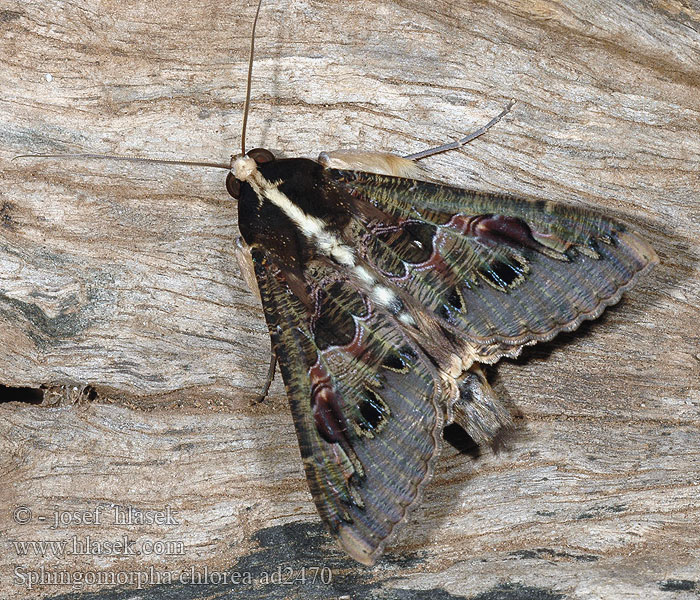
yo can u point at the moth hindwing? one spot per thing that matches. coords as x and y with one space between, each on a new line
383 293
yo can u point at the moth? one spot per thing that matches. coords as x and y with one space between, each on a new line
383 292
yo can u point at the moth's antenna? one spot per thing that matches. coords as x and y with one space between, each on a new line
250 78
133 159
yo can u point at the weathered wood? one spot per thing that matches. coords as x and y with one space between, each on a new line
122 278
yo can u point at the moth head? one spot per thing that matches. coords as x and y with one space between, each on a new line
243 166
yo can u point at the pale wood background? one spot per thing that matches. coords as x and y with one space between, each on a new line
122 278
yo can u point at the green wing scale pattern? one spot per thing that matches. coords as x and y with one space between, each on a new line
497 271
365 403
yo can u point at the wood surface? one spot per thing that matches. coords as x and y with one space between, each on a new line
130 348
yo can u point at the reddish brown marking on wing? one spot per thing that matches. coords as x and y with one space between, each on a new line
325 405
436 262
493 230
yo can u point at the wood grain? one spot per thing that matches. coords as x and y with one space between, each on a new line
120 295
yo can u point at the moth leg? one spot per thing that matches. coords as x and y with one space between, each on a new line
382 163
478 410
463 141
245 264
386 163
270 377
